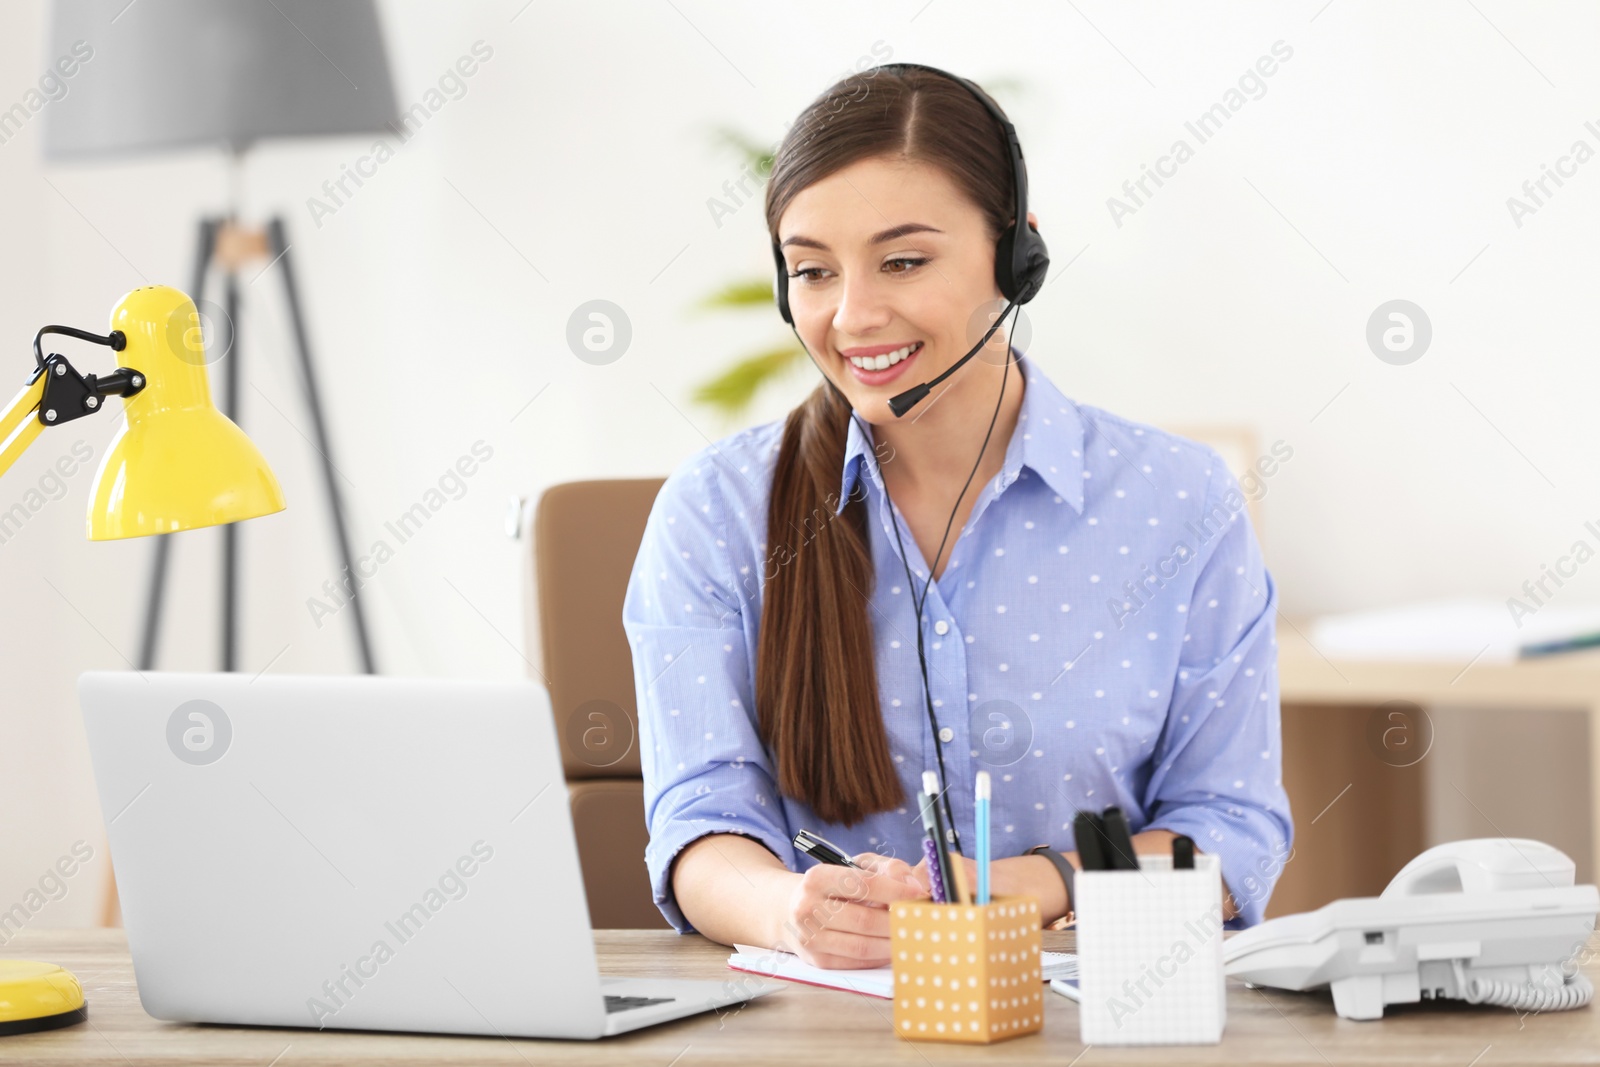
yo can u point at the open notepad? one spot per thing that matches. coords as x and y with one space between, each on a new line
875 982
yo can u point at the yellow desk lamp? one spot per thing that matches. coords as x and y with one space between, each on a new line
177 464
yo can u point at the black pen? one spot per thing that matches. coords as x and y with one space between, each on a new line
1182 853
1119 841
823 850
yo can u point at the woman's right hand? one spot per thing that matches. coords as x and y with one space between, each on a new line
838 917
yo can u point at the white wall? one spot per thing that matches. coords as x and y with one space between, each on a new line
1377 165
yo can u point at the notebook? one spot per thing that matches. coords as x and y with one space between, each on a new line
874 982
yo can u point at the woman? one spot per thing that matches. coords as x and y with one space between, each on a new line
1098 628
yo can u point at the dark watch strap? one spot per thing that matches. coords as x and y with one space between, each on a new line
1063 868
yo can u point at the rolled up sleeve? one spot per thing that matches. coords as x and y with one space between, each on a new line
705 768
1219 776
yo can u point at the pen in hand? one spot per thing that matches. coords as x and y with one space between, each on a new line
823 850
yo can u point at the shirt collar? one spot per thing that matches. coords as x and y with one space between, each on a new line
858 453
1048 441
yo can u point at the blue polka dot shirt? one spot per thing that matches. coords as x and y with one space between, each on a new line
1103 633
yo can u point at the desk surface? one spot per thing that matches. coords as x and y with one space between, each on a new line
800 1024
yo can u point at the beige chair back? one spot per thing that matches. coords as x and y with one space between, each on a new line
585 538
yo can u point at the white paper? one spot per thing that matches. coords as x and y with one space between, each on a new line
1458 630
873 981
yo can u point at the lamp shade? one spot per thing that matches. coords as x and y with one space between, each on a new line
167 74
177 463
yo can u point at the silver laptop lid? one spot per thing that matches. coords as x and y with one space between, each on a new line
352 852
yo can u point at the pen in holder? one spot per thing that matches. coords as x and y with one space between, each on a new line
1150 953
966 972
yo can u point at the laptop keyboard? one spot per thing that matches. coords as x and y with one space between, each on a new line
616 1003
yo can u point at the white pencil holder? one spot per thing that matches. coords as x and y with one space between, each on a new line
1150 954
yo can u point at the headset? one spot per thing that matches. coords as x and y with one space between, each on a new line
1021 263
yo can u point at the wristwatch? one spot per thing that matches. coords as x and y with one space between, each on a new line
1067 872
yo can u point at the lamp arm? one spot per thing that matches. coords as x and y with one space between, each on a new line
17 430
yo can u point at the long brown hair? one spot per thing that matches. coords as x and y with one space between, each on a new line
816 683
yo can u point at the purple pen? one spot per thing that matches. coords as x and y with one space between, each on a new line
930 850
930 847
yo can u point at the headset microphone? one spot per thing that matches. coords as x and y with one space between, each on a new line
901 403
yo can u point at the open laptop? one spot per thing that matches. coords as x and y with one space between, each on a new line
356 852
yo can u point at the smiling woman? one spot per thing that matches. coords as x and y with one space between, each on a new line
935 600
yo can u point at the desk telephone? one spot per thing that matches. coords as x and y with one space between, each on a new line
1490 920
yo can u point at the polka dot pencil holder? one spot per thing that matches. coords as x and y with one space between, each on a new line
966 972
1150 954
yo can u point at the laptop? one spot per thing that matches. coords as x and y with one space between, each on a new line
363 852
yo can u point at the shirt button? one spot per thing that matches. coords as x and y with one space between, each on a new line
941 627
947 734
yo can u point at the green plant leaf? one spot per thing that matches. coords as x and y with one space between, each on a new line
755 292
731 391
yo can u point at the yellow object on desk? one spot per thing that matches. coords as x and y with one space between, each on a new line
38 996
966 972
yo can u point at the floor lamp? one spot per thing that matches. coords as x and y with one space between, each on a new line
167 75
178 74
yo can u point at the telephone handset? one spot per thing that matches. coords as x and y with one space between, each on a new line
1489 920
1483 865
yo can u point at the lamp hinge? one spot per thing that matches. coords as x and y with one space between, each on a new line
69 395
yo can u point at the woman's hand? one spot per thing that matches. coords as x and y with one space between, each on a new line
838 917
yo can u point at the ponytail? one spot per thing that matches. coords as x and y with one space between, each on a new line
816 679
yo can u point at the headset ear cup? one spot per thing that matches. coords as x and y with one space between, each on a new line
780 284
1003 276
1036 264
1022 283
780 296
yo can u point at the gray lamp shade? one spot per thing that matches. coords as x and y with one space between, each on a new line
167 74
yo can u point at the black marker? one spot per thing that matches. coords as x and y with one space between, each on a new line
1119 842
1182 853
1086 833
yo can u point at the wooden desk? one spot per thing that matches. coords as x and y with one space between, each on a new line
1358 814
799 1025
